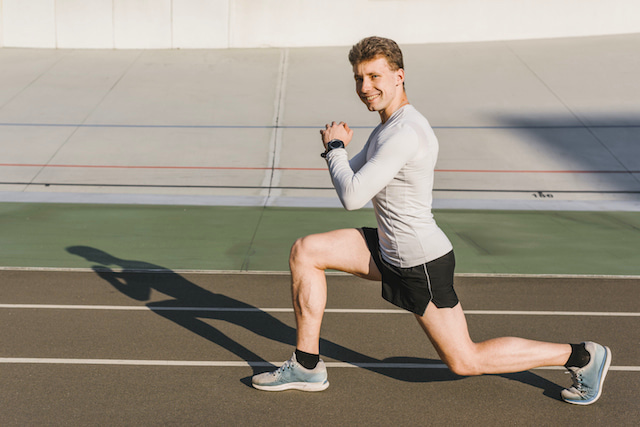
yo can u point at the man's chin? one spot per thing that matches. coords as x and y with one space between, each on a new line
370 107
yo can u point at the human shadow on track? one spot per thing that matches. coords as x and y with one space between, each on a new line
137 279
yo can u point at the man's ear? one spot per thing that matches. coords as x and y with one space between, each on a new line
399 76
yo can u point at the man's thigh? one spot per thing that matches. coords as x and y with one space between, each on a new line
343 250
447 330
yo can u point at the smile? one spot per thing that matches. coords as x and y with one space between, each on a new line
370 97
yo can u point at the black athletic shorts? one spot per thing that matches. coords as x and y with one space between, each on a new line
412 288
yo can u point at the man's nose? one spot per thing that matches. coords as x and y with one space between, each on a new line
366 85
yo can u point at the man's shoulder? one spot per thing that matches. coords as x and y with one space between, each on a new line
407 123
412 129
411 114
403 133
408 116
410 120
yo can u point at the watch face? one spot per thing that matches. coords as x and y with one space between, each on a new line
336 144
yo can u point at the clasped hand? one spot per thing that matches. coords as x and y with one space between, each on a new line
335 130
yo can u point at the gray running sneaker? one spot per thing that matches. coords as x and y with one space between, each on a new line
587 381
292 375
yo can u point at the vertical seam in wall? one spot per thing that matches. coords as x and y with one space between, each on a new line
1 25
171 20
55 23
230 9
113 24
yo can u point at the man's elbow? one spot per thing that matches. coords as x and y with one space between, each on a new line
352 205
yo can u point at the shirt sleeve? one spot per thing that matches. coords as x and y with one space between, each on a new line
358 161
356 188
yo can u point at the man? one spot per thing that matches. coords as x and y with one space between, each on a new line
408 253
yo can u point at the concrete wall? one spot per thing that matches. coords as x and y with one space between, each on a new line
162 24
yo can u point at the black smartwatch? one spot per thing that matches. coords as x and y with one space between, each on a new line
332 145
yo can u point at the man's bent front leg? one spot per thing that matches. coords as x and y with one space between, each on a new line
309 293
343 250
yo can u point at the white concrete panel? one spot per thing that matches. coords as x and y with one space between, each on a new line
69 90
336 22
168 148
161 161
142 24
195 87
30 145
127 193
200 23
20 67
293 23
596 78
538 149
84 24
28 23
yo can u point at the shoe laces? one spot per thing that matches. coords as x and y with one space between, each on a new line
576 376
285 366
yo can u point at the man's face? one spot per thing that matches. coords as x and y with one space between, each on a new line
377 85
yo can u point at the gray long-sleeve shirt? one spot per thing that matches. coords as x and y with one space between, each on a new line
395 171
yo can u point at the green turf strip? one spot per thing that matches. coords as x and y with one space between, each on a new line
255 238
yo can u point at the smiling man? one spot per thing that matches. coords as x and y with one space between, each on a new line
408 253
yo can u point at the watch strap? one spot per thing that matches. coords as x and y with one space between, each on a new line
331 145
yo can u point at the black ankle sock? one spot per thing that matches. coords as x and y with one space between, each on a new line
579 358
307 360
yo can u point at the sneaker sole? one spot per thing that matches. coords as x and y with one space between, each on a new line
294 386
605 369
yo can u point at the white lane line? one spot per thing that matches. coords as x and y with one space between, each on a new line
290 310
287 273
554 313
243 364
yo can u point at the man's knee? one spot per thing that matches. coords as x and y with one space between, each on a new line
465 364
301 250
464 367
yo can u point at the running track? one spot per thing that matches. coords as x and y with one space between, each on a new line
103 347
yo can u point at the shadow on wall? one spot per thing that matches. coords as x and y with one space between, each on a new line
600 156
